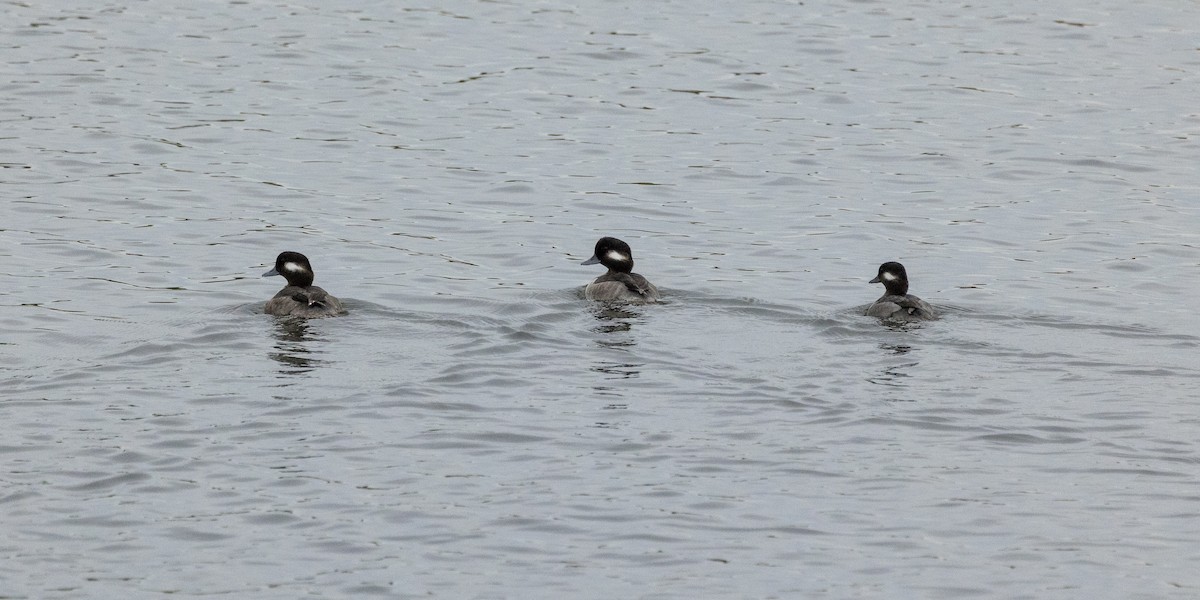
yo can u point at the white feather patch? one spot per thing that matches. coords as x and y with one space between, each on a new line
617 256
889 277
292 267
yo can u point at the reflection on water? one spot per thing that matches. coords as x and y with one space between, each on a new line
615 320
291 344
894 375
619 370
612 424
901 325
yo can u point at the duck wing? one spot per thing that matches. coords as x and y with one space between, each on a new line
632 282
906 307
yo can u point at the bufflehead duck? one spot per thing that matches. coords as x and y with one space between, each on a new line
299 298
897 304
620 283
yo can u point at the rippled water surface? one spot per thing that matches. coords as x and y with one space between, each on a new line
474 428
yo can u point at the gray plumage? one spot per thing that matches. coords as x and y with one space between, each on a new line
300 298
897 304
620 283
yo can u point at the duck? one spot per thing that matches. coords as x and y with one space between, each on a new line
897 304
620 283
300 298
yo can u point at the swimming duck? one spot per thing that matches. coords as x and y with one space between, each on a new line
620 283
300 298
897 304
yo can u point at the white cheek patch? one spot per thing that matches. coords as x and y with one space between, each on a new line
616 256
292 267
889 277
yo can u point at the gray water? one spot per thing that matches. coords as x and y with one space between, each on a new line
474 428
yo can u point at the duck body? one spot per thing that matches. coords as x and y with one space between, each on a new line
311 302
897 304
300 298
621 287
620 283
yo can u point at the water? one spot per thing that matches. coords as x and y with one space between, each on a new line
474 428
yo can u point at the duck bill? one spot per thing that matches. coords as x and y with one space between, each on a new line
876 280
591 261
270 273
